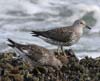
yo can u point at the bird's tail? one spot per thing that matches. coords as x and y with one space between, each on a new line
35 33
12 43
18 51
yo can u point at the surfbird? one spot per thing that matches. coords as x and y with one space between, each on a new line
63 36
39 55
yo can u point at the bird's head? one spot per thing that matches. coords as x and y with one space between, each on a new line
81 23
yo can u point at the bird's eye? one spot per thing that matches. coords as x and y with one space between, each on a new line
81 23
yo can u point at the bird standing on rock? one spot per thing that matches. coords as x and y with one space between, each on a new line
64 36
39 55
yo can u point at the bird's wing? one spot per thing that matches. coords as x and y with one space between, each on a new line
33 51
37 52
58 34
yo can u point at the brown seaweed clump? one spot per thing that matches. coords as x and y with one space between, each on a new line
13 68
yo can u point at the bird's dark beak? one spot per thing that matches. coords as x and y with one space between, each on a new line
88 27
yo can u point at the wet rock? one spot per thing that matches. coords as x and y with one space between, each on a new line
15 69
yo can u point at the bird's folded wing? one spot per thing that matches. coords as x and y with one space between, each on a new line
58 34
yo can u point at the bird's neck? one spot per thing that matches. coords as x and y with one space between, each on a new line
78 29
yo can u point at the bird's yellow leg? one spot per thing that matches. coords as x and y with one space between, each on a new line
63 51
58 51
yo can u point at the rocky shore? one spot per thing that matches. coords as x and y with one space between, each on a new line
14 68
